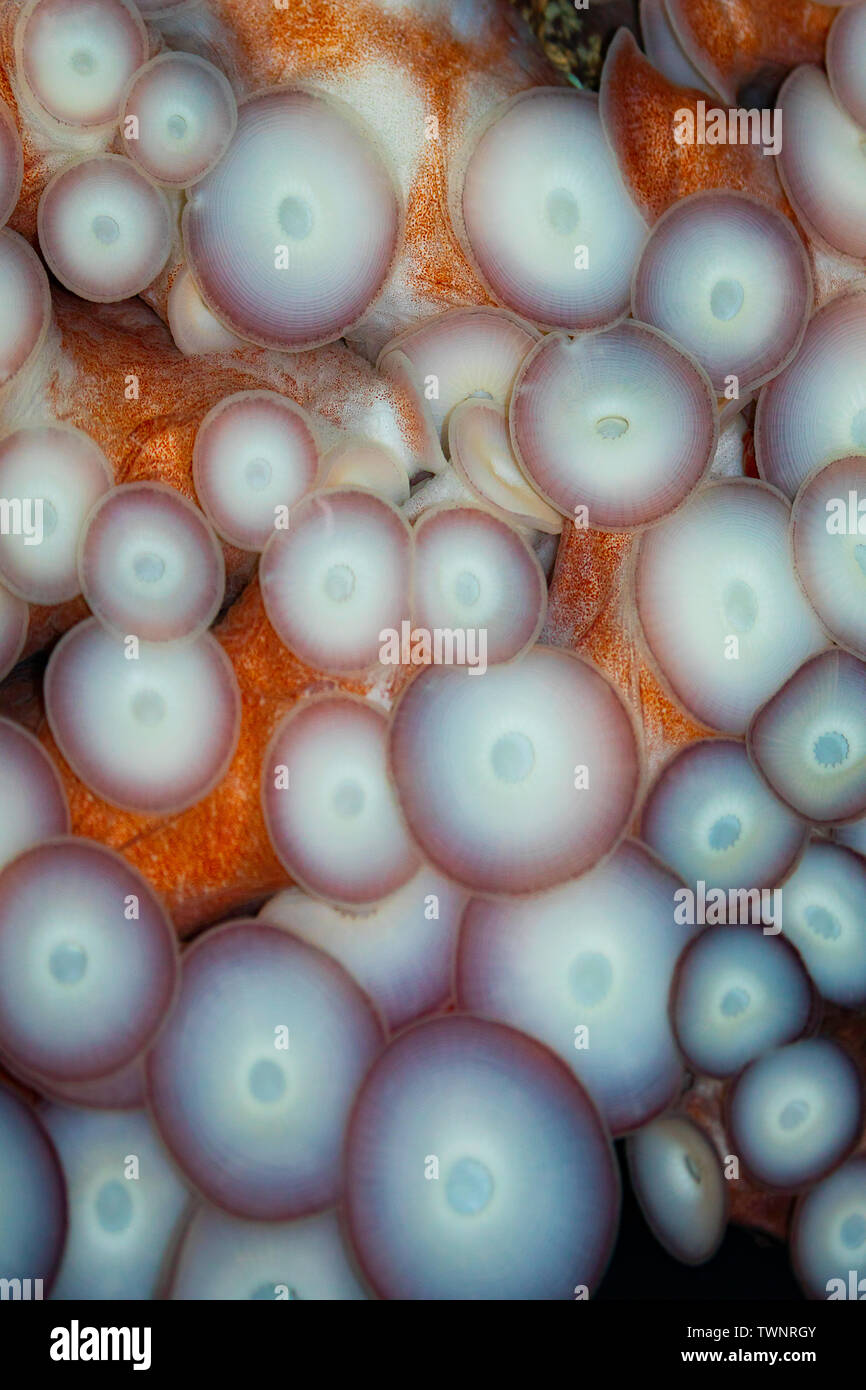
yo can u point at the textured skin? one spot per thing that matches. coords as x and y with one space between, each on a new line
591 609
638 106
398 69
738 43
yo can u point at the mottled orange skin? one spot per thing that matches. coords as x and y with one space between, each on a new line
150 438
592 610
215 858
737 42
588 571
439 266
638 107
153 436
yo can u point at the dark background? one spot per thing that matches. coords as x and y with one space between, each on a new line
749 1265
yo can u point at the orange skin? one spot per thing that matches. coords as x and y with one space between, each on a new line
195 862
216 857
735 42
638 107
592 609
